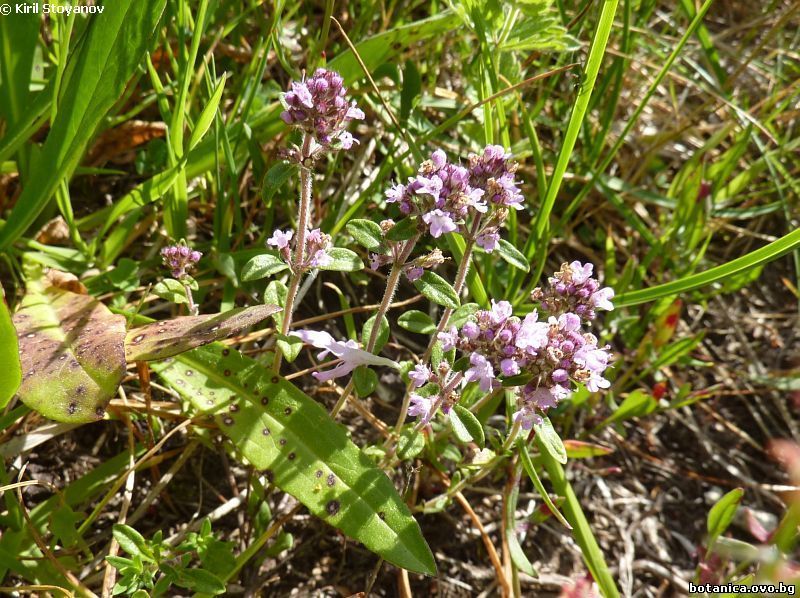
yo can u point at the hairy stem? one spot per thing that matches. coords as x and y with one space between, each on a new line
303 216
391 287
461 277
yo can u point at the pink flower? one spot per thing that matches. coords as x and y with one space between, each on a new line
419 375
532 333
602 298
501 311
480 371
449 339
488 241
280 239
581 272
349 352
439 222
421 407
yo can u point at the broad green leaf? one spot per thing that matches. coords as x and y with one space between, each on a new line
463 313
11 372
719 273
131 541
550 440
471 424
458 427
410 444
287 435
365 380
437 289
172 290
207 115
403 230
290 346
722 513
262 266
416 321
383 333
72 352
636 404
96 76
275 178
276 293
512 255
343 260
200 580
366 232
166 338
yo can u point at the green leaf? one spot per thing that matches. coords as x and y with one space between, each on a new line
275 178
378 49
636 404
410 444
417 321
276 293
517 380
579 449
719 273
207 115
722 513
11 372
463 313
287 435
383 333
200 580
512 255
365 380
527 463
366 233
172 290
437 289
403 230
71 350
581 530
514 549
343 260
96 76
471 424
550 440
166 338
290 346
458 427
412 87
262 266
131 541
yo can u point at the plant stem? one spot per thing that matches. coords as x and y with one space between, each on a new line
193 309
391 287
303 216
461 277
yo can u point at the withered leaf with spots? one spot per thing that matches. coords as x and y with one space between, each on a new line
160 340
71 350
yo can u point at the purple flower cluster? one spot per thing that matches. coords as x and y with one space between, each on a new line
319 107
317 245
572 289
180 259
446 195
413 269
553 353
